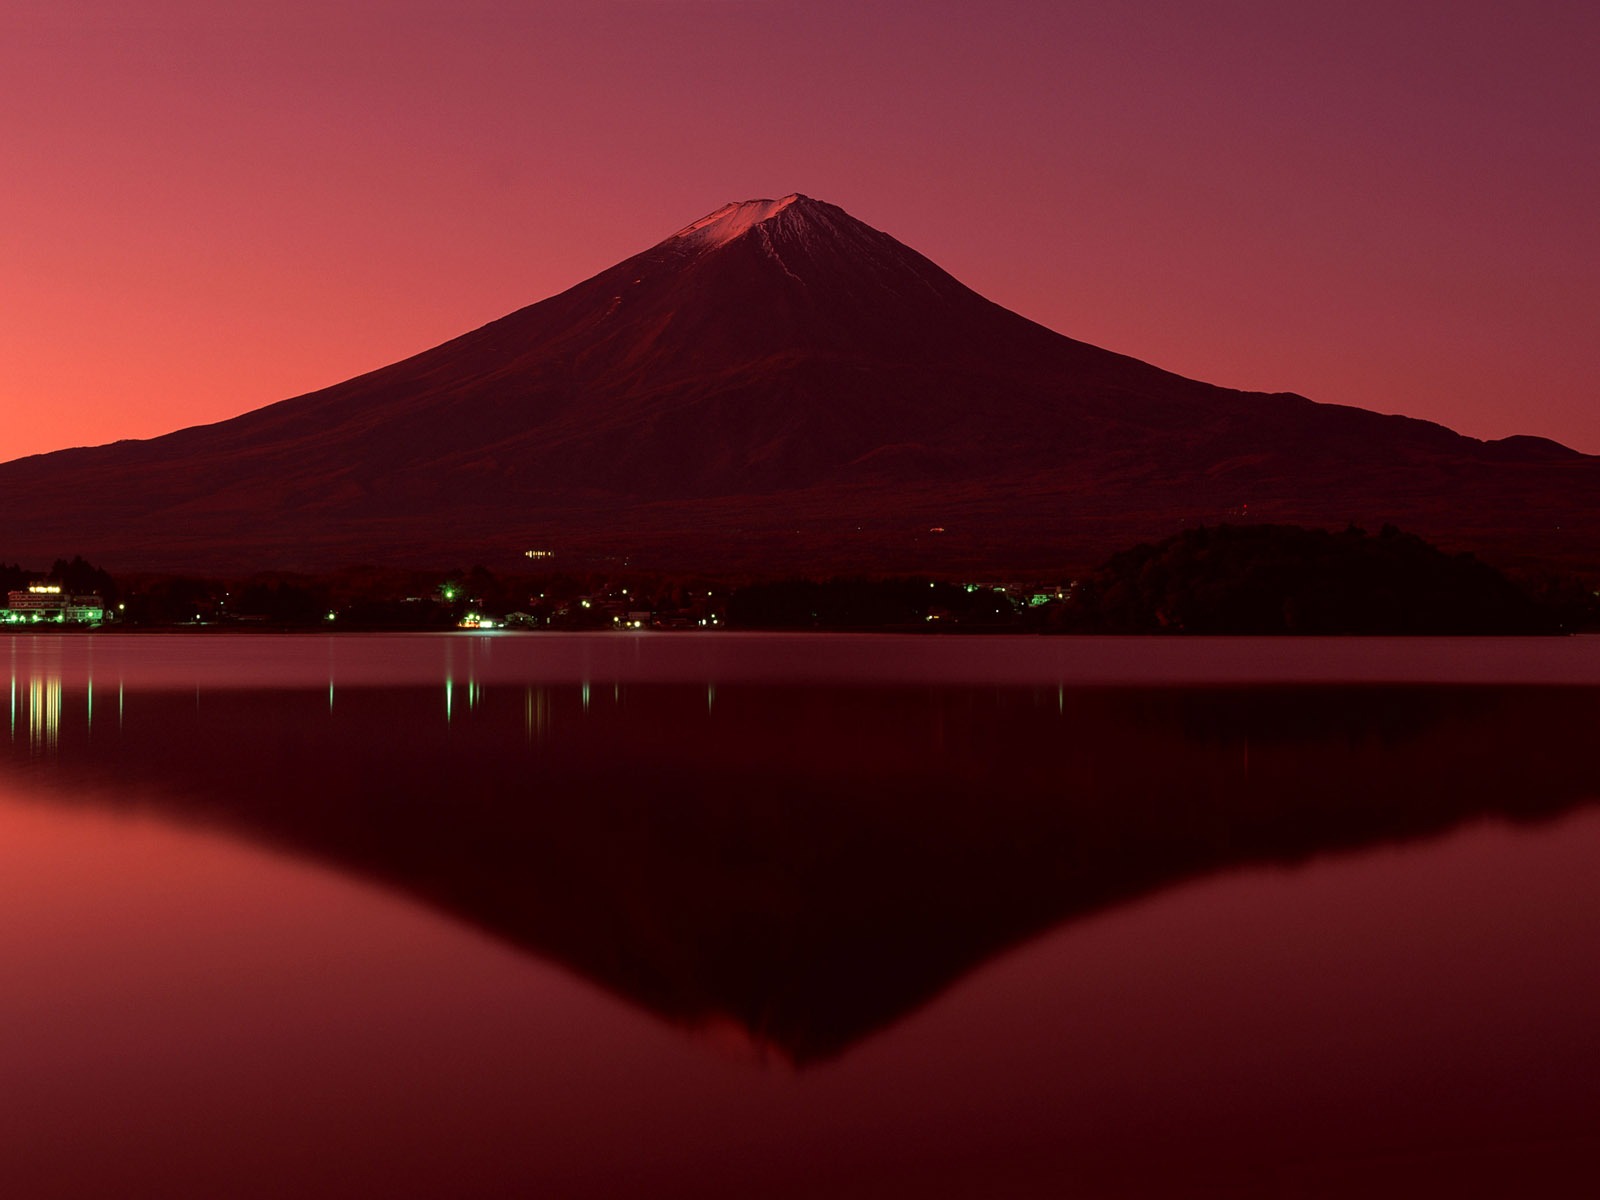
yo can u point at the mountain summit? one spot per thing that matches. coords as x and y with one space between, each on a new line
776 386
731 220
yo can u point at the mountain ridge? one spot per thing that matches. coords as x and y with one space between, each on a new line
775 366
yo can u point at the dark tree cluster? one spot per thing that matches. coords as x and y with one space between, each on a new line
914 603
1270 579
75 575
1571 602
283 602
84 579
172 600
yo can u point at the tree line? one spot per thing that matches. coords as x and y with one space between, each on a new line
1225 579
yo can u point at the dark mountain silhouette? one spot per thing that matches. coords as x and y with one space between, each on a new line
709 864
776 386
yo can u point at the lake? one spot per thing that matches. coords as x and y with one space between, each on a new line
683 915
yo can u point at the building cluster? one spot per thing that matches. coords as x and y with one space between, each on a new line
617 607
49 603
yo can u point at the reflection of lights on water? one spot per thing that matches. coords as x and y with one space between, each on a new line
39 701
585 695
475 691
474 697
711 696
449 679
536 708
44 712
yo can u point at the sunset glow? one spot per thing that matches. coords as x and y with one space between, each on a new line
210 209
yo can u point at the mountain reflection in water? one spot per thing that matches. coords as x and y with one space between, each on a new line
810 863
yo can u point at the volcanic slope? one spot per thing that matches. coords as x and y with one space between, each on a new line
776 387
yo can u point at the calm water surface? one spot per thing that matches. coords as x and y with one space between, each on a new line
799 917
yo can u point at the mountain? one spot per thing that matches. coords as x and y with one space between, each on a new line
776 386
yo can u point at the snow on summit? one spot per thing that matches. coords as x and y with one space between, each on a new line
731 220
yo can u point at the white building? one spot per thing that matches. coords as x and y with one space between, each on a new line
46 602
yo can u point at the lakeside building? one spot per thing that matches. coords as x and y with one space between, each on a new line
43 603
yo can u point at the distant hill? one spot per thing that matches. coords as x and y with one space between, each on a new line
776 386
1265 579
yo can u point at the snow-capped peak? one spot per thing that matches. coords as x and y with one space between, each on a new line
731 220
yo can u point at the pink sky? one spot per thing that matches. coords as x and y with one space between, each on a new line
210 207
